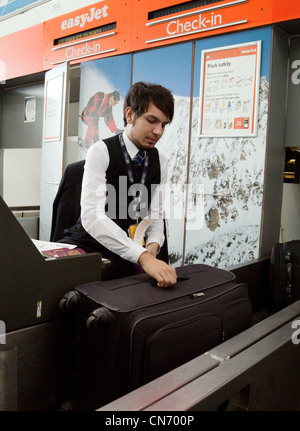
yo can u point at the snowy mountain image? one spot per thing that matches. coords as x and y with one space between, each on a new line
223 203
215 185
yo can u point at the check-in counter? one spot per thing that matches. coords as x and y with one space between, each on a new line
38 337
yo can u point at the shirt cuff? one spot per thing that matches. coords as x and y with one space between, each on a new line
134 252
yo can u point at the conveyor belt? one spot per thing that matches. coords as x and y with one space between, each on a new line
259 366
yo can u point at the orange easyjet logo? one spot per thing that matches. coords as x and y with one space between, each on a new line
81 20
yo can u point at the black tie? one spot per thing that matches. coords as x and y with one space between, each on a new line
139 158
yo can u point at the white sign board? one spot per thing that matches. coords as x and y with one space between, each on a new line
229 90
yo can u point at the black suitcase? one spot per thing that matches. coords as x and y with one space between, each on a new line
285 273
130 331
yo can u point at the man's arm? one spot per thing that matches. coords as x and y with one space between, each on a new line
153 248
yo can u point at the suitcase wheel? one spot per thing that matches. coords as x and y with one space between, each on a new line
100 317
69 300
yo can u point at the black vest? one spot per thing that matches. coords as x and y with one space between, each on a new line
116 176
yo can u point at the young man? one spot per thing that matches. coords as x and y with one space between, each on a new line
110 205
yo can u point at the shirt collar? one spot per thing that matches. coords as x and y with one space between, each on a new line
130 147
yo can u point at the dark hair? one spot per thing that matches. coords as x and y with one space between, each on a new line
116 95
140 95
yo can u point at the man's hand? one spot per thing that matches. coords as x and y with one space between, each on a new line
158 269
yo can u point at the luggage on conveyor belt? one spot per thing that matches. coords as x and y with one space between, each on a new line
129 331
285 272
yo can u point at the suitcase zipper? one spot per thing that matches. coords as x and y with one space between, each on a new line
197 295
161 301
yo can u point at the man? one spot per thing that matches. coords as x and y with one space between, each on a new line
110 168
99 105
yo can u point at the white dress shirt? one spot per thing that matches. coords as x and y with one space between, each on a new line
93 200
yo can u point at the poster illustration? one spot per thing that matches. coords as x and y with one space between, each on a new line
215 180
229 91
231 168
102 92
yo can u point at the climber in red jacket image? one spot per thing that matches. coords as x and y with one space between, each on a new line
99 105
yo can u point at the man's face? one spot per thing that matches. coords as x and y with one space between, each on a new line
146 130
112 101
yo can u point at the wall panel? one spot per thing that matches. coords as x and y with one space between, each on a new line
18 131
231 171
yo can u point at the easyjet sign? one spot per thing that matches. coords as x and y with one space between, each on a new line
191 24
210 19
85 18
104 28
100 29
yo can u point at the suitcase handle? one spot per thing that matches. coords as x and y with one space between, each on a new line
179 278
